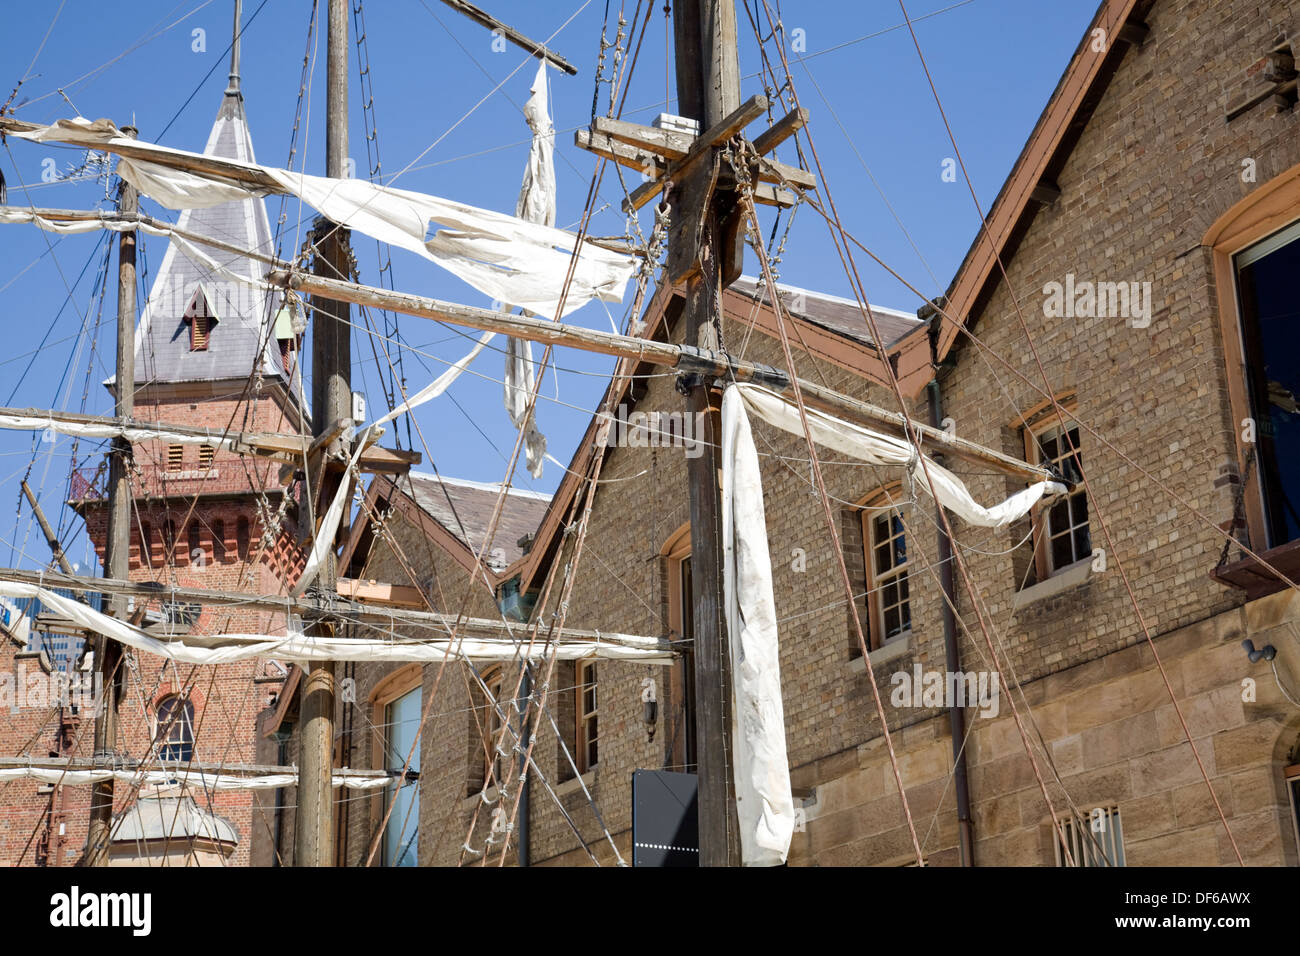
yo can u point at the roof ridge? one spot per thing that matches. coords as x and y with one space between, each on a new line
481 485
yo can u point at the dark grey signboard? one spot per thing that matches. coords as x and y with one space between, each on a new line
665 819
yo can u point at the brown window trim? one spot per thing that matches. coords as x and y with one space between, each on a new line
673 711
1269 208
869 508
1041 418
588 722
488 725
401 681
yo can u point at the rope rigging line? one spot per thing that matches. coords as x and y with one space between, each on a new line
1061 418
909 429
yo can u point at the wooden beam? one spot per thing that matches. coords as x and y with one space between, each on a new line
121 762
645 148
378 592
715 135
486 19
388 461
649 351
668 143
208 166
342 609
279 446
772 171
780 131
642 160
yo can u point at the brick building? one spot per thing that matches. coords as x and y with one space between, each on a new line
209 351
421 533
1149 231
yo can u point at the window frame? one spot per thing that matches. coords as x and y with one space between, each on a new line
391 688
879 503
1266 210
1085 852
174 728
587 734
681 743
491 724
1042 419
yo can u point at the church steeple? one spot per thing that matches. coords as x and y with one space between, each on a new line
232 88
236 334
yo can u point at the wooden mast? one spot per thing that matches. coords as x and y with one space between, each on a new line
708 90
331 403
117 560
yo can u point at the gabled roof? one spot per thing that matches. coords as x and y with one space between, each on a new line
834 313
239 336
1033 176
455 514
465 509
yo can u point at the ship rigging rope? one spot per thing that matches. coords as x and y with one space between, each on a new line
497 511
846 258
147 38
1061 418
252 377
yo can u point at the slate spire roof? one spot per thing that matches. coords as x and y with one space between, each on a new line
240 328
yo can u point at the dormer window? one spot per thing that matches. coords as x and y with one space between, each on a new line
201 317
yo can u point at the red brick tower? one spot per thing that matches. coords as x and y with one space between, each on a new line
214 351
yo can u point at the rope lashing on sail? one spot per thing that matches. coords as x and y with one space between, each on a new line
503 257
299 647
764 803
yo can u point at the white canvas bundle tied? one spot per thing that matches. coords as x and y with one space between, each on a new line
536 204
301 648
504 257
210 782
764 806
877 449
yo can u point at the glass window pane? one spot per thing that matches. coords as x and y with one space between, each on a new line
892 625
1082 542
402 722
1058 519
1062 555
882 559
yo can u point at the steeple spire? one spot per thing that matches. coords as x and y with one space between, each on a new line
232 88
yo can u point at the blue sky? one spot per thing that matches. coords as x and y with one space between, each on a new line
995 63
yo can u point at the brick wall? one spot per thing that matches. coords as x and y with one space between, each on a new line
1154 168
226 698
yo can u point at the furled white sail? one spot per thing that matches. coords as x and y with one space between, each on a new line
504 257
300 647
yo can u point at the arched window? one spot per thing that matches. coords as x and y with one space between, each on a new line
241 538
174 728
218 541
195 555
1255 248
